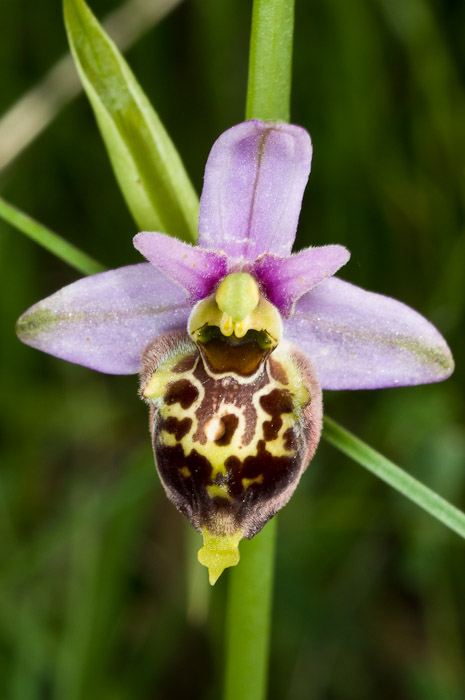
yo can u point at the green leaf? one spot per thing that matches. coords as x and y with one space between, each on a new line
393 475
147 166
49 240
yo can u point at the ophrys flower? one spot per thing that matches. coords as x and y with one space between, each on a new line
235 338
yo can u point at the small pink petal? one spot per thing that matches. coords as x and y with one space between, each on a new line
287 279
361 340
197 270
106 321
254 181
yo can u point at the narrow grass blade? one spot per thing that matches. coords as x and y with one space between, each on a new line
393 475
36 109
49 240
147 166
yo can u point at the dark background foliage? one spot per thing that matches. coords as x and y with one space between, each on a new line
369 590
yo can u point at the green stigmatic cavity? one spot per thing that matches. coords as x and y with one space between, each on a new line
236 310
235 416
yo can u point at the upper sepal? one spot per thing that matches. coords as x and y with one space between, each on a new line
255 177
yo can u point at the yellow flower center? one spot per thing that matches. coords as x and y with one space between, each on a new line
235 309
237 296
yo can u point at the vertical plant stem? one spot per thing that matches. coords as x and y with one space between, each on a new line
270 61
248 617
198 588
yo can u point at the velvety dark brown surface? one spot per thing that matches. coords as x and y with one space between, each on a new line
255 485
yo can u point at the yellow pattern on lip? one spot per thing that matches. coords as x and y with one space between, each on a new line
218 491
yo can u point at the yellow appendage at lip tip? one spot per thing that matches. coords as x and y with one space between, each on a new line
219 552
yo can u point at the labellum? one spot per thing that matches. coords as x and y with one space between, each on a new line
235 416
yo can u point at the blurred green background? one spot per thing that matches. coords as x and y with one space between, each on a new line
369 590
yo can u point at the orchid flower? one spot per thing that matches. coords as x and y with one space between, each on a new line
234 339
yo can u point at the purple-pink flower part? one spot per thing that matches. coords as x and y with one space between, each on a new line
254 181
234 338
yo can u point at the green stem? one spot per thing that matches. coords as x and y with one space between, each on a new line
248 617
270 60
393 475
198 588
49 240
